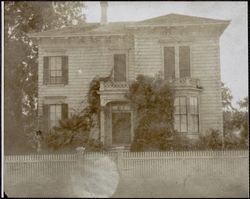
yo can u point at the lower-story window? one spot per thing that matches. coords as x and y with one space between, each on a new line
186 114
55 114
52 113
194 115
180 114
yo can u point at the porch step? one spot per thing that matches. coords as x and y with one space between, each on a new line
123 148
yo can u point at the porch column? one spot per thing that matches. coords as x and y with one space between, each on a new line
102 127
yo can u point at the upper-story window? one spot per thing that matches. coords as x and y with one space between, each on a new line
169 62
120 68
55 70
176 62
184 61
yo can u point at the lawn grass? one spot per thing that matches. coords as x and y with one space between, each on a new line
194 186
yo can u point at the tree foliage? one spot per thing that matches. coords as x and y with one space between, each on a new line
226 98
153 101
235 121
20 55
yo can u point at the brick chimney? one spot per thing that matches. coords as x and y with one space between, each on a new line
104 6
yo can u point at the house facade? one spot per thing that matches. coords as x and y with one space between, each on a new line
184 49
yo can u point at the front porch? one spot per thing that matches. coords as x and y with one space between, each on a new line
116 117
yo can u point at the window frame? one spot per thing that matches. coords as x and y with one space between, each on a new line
49 71
176 47
180 114
194 114
49 114
126 65
179 57
189 114
111 61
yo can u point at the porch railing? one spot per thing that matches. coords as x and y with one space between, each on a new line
185 82
112 85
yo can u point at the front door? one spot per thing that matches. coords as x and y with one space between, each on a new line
121 128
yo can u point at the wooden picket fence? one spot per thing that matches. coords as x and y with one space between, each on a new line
19 168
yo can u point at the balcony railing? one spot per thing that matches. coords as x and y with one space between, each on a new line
185 82
112 85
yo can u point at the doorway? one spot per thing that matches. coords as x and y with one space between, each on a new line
121 128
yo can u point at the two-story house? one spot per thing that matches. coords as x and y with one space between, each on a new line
185 49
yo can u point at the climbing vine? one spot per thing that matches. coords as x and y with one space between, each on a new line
75 130
153 101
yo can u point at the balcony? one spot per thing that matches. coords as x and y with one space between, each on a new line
115 91
111 91
178 83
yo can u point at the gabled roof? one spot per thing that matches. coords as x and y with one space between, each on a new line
119 28
177 19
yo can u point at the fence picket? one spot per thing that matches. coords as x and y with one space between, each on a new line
146 164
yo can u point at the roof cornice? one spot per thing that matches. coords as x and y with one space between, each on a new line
179 25
68 36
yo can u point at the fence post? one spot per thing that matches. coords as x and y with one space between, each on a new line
80 158
120 158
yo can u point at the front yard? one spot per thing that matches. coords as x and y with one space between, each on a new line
194 186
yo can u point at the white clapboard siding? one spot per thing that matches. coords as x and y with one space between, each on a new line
206 67
86 60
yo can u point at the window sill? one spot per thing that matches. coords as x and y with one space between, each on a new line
55 85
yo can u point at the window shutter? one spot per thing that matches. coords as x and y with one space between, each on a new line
64 111
169 62
120 67
46 117
45 70
184 61
65 69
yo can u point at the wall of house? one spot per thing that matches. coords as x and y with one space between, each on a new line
86 59
205 65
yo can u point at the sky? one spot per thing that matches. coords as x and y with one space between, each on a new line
233 42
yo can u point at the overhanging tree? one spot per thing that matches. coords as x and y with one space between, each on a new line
20 55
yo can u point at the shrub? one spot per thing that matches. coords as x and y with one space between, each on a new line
181 142
75 131
212 140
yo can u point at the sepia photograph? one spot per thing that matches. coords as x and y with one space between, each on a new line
124 99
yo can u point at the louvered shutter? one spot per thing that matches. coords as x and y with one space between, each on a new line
184 61
65 69
120 67
45 117
64 111
45 70
169 62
